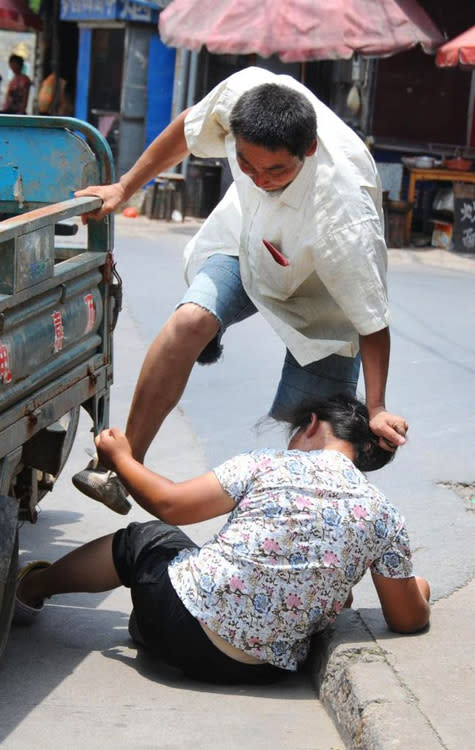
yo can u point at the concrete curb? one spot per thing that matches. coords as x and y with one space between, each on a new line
371 707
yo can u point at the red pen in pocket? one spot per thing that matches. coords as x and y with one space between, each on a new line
276 254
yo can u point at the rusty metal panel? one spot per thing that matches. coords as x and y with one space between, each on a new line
26 418
34 257
8 530
7 266
33 347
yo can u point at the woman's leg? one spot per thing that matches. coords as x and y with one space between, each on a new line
89 568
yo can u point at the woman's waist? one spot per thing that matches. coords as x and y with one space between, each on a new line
228 649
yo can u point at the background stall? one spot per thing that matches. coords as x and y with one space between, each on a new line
124 82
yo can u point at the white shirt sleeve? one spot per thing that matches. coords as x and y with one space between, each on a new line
207 124
352 264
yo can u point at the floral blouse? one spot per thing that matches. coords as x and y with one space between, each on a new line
305 528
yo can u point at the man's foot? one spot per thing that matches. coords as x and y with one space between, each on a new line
26 614
102 485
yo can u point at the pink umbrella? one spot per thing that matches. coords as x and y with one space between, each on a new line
299 30
459 51
15 15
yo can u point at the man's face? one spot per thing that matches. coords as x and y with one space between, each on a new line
269 170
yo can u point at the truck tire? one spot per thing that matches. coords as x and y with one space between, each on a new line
7 599
7 589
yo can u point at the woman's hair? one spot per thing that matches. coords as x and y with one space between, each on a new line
349 420
275 117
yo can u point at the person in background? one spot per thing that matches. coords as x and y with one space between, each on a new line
52 98
304 525
18 90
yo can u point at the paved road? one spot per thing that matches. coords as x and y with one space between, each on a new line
75 679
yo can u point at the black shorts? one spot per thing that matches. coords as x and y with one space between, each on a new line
141 553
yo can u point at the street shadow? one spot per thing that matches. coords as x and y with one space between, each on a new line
291 686
74 627
46 538
378 630
39 658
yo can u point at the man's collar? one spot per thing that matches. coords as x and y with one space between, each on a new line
294 194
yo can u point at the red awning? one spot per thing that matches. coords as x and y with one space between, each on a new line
299 30
15 15
459 51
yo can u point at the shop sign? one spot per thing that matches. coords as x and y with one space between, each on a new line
105 10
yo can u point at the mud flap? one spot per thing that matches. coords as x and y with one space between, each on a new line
8 563
8 529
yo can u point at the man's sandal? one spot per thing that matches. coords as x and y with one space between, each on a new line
25 614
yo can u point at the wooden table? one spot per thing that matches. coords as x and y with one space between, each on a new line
424 175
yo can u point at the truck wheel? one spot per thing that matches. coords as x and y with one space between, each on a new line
7 598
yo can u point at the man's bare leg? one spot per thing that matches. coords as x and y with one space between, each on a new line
165 372
162 380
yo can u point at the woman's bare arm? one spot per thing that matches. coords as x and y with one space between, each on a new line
176 503
404 602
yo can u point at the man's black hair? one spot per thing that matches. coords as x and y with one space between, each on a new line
18 60
349 420
275 117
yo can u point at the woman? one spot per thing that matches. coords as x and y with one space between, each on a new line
304 526
18 88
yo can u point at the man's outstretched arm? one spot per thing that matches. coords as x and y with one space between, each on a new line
168 149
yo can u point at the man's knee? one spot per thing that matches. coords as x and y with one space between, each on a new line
193 323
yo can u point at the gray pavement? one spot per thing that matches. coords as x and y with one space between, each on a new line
69 681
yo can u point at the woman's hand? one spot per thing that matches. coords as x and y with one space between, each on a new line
112 197
112 445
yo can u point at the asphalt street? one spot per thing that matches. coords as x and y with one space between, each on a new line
76 678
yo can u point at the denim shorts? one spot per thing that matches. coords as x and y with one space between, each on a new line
217 287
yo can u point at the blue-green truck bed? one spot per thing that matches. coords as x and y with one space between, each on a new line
58 307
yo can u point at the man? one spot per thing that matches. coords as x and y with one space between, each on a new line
298 237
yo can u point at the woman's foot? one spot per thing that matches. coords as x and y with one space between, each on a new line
27 606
